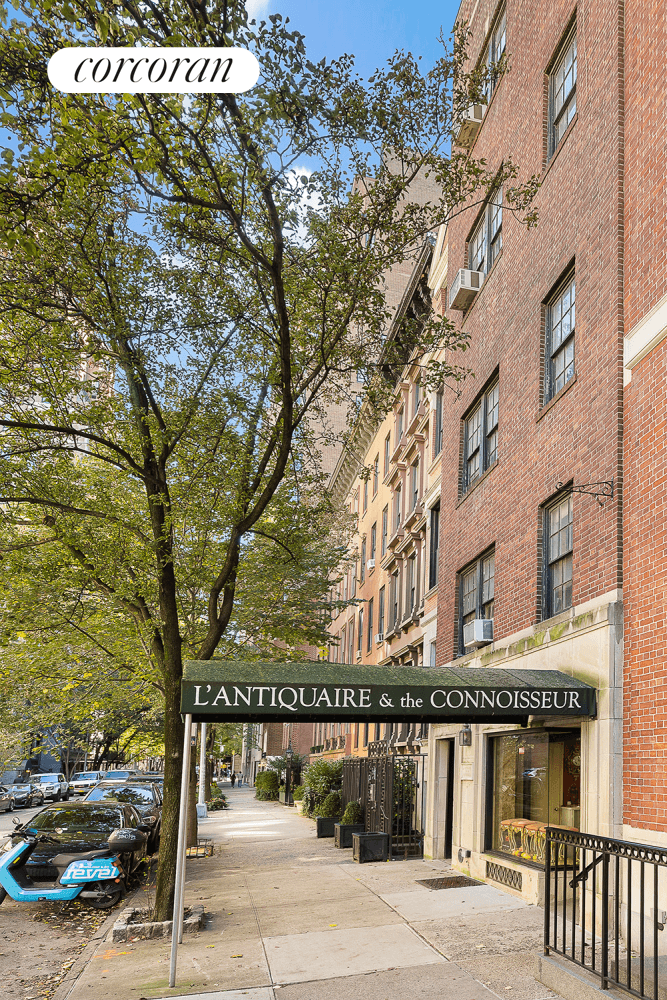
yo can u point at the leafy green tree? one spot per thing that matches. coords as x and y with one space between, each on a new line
186 282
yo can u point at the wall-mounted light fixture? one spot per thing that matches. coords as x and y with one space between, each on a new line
465 736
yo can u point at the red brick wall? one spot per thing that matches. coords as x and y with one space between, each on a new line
645 676
577 437
646 138
645 403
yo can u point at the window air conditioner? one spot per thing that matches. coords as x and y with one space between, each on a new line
469 125
464 288
370 564
478 632
379 637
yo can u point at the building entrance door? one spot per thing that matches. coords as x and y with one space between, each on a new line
443 799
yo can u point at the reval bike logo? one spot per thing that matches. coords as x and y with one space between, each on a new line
145 70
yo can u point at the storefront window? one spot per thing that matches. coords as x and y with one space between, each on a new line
536 783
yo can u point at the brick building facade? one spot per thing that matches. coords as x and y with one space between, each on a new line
645 432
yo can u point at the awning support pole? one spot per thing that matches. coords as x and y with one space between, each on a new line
177 921
202 766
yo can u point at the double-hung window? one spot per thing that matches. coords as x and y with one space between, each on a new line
394 598
397 509
437 432
411 585
480 436
495 50
486 239
434 544
399 427
369 627
562 91
362 571
374 532
350 638
381 598
385 531
416 398
558 556
476 592
376 474
360 631
365 495
560 322
414 485
387 453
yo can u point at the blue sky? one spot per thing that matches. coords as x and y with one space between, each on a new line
370 31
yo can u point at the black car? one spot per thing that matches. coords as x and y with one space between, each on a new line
143 795
79 827
27 794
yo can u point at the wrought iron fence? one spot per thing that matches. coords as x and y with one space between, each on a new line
606 908
392 791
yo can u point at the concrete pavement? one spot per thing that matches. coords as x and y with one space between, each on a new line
292 918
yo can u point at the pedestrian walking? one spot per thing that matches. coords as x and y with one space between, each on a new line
233 779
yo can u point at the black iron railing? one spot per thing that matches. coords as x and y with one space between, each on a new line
392 792
605 903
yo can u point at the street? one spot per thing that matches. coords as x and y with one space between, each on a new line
6 818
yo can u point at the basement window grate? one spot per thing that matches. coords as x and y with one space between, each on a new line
505 876
448 882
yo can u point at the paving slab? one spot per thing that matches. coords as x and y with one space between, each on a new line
474 936
422 904
319 955
261 993
425 982
512 976
319 915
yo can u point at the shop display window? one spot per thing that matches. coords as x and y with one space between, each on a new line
536 783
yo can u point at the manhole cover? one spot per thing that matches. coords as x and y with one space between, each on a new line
448 882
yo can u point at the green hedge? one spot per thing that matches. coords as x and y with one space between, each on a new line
266 786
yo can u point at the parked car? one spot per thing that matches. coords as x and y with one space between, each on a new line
79 827
120 775
53 785
6 799
143 795
27 794
83 781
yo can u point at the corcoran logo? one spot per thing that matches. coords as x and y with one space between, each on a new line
84 70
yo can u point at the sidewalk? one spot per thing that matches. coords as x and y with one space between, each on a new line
292 918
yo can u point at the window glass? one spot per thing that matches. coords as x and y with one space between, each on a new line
561 330
473 426
77 820
369 640
385 521
495 225
536 782
381 610
437 438
481 436
477 247
564 97
135 795
559 542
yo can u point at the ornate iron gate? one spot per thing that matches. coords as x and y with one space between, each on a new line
392 791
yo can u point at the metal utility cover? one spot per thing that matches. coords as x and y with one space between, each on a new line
448 882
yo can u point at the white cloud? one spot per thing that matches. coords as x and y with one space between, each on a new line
257 8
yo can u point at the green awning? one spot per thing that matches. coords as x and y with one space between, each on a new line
246 691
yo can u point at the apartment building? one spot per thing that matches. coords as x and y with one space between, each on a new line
389 478
530 571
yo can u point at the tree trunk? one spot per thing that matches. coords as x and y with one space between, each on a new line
173 764
210 743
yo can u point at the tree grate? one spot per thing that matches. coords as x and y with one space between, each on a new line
448 882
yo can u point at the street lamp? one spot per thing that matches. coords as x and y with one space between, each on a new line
289 753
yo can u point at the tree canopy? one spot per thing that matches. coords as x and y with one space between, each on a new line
186 282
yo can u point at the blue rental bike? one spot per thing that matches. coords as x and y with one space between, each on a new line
97 877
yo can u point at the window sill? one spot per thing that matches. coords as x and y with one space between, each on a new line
548 164
554 399
478 481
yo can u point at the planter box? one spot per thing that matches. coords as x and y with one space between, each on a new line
125 928
370 847
326 826
286 800
344 831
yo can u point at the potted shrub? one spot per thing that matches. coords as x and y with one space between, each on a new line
352 821
329 814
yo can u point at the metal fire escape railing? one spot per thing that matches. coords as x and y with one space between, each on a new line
605 909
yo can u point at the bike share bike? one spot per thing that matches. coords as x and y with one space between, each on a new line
96 877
